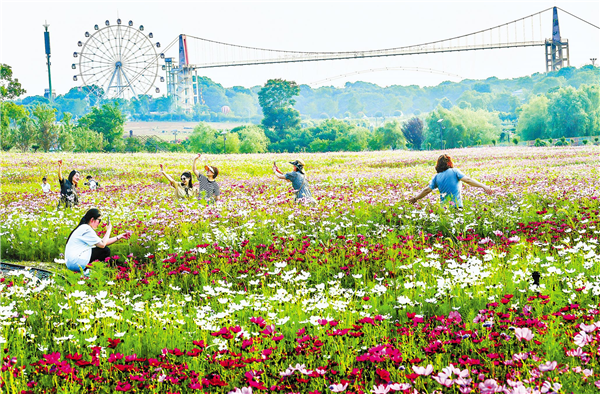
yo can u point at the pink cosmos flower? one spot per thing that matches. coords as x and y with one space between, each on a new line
400 386
455 316
423 371
588 329
524 333
338 388
587 372
548 366
381 389
443 379
243 390
490 386
520 356
582 339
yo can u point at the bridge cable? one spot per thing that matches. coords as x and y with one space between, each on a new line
575 16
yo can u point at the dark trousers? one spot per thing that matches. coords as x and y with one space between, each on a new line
100 254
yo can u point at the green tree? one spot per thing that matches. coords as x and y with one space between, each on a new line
204 140
11 115
253 139
25 135
10 88
276 101
65 135
86 140
567 113
47 131
533 116
392 135
107 120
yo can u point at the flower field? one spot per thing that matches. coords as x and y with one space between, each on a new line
359 293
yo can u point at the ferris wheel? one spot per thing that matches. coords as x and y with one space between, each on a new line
118 61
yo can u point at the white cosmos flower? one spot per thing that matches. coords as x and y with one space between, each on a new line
92 339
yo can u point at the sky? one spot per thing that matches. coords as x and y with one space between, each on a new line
301 26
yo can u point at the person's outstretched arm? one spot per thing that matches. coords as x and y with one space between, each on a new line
107 240
169 178
60 177
278 172
423 193
474 183
194 168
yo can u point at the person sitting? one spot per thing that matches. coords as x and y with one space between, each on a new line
298 179
184 189
91 182
208 189
447 181
84 246
45 185
68 187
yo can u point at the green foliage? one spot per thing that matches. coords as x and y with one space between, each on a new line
10 88
464 125
391 136
533 119
253 139
86 140
47 132
276 101
107 120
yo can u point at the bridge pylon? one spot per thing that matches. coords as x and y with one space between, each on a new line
557 50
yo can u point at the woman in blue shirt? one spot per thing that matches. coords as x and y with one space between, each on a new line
447 180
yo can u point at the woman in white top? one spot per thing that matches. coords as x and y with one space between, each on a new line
84 245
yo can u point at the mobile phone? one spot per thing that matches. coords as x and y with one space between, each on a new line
108 220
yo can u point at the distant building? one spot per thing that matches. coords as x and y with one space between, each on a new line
47 94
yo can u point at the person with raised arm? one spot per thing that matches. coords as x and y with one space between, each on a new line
68 187
85 246
299 182
447 181
183 190
208 189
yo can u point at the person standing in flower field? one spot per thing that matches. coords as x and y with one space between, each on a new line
447 180
184 189
68 187
299 182
84 246
208 188
45 185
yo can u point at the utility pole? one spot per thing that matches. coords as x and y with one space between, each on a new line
593 59
47 42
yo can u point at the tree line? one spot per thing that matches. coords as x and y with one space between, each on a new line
483 115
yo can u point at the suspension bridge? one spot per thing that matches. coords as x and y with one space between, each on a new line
182 73
524 32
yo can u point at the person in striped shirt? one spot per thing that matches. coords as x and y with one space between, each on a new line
208 188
